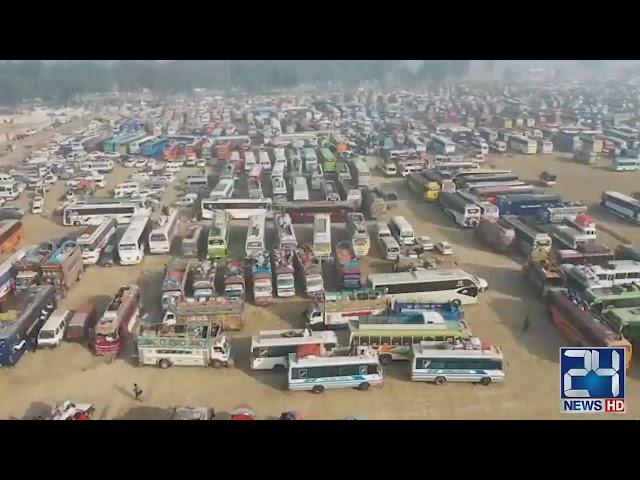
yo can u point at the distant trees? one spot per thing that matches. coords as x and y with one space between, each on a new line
63 80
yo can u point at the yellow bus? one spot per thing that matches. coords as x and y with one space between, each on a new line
429 190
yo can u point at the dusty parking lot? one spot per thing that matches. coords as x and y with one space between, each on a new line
531 389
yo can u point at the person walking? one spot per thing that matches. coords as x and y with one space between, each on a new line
525 325
137 391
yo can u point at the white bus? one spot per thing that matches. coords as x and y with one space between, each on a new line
249 161
461 210
255 235
622 205
616 272
360 173
224 189
278 170
300 189
95 165
93 241
270 349
463 361
523 144
488 211
322 235
437 286
279 157
237 208
131 247
402 230
96 213
317 374
442 145
162 236
545 146
263 159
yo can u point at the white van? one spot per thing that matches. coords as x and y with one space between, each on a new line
402 230
52 332
390 248
126 189
6 178
382 231
300 189
172 167
388 168
9 190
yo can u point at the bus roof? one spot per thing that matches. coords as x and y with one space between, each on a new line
274 338
134 230
368 356
424 349
419 276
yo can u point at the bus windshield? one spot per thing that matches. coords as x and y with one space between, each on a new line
127 246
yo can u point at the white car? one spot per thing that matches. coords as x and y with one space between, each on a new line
111 155
97 178
129 162
31 131
169 177
140 177
187 200
191 162
144 193
424 242
444 248
37 206
141 162
201 163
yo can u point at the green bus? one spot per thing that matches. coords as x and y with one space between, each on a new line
626 321
328 160
619 296
218 237
395 342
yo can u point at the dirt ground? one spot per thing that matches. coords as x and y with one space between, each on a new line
531 389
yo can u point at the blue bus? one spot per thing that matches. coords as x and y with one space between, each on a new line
153 147
24 315
525 204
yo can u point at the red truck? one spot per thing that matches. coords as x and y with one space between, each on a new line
117 322
347 265
283 273
234 282
64 267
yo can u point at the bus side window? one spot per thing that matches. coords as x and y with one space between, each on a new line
406 341
375 341
384 341
363 340
418 339
439 339
395 341
362 369
372 370
263 353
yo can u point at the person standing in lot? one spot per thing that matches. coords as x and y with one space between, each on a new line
137 391
525 325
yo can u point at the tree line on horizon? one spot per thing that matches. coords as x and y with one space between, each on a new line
64 80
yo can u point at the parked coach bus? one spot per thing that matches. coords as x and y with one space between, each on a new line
161 237
95 239
440 285
237 208
96 213
621 205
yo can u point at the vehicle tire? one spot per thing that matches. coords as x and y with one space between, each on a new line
279 368
76 223
364 386
440 381
217 363
317 389
385 359
485 381
164 363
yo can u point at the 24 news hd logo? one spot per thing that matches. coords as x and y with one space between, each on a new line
592 380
